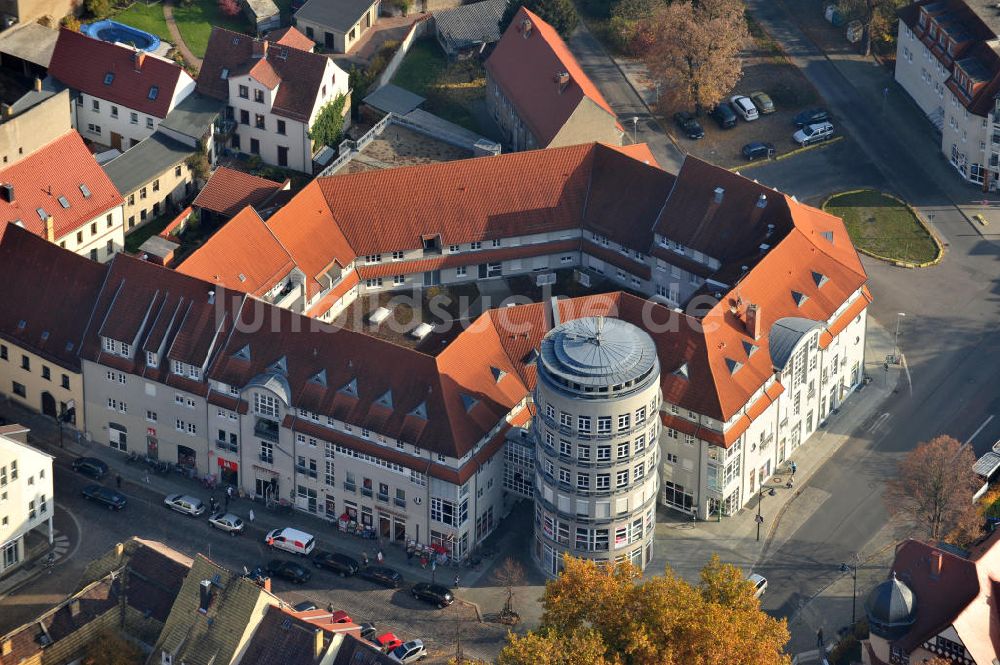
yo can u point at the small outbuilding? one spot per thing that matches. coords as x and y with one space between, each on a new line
469 28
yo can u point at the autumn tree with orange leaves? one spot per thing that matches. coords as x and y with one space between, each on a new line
617 618
934 487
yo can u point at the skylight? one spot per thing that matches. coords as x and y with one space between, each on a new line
225 74
799 298
42 215
154 90
108 78
733 365
819 278
85 191
63 201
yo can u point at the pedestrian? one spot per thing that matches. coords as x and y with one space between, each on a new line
118 481
423 561
364 559
229 494
251 516
456 581
791 481
409 557
227 499
819 639
795 467
147 478
379 556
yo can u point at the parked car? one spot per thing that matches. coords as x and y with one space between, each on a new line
305 606
336 562
744 107
763 102
810 134
724 116
689 125
386 577
290 570
291 540
811 117
758 150
340 616
101 494
386 642
229 523
90 466
186 505
409 652
433 593
367 631
759 584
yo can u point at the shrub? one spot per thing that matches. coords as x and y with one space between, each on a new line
229 7
70 22
403 6
98 8
329 123
845 648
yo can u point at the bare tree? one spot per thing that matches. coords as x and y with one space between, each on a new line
692 49
877 18
934 486
509 574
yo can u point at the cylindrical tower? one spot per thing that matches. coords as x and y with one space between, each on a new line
596 425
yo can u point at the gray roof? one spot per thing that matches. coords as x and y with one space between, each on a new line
891 608
274 382
157 246
987 465
393 99
193 116
341 15
50 88
29 41
145 162
785 335
470 25
263 8
598 352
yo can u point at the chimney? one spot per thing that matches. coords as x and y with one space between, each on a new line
753 320
526 28
936 560
562 79
138 57
205 597
318 648
211 297
260 48
6 111
266 583
719 191
50 228
74 608
119 549
7 192
38 84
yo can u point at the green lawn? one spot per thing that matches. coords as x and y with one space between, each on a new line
195 23
450 88
146 17
883 226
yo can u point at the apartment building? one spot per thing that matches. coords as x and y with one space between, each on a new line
24 132
273 92
538 94
121 94
946 61
60 193
26 497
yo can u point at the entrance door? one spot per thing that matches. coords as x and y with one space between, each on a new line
117 436
49 405
384 527
399 530
328 40
152 447
116 140
186 457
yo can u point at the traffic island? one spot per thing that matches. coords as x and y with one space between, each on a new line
885 227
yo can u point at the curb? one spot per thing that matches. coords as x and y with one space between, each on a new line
786 155
916 215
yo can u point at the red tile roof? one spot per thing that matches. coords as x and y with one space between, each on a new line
51 292
290 36
228 191
53 171
525 67
84 63
300 73
243 256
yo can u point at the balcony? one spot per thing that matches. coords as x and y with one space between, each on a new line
266 429
382 497
306 471
366 491
350 487
399 502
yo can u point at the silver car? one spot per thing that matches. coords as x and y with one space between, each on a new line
229 523
409 652
184 504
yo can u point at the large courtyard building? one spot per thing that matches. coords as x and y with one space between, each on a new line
596 396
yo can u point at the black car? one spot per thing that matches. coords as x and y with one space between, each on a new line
383 576
367 631
758 150
811 117
433 593
101 494
90 466
338 563
305 606
290 570
724 115
689 125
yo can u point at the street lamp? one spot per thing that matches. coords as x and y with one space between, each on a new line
895 350
635 123
759 519
853 570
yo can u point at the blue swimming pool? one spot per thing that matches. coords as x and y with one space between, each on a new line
113 31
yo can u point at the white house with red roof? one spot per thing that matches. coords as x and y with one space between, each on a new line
539 95
273 91
61 193
121 94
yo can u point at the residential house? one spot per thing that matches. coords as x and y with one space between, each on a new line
27 497
121 94
26 49
23 133
264 15
467 28
290 36
39 351
283 635
274 93
539 95
946 62
338 25
939 602
193 122
229 191
60 193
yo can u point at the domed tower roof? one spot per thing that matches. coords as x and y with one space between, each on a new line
891 608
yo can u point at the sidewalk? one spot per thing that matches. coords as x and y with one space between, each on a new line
685 547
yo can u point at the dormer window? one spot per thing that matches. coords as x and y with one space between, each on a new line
152 359
118 348
225 74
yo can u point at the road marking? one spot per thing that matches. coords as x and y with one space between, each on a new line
981 428
878 422
902 357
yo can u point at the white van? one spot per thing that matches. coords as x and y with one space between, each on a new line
291 540
759 584
814 133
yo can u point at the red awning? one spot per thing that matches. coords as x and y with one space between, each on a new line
439 549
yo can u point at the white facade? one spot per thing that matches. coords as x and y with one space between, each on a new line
279 140
98 239
25 495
